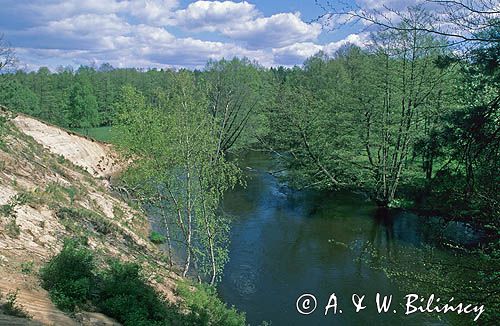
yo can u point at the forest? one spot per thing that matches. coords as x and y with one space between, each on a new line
412 120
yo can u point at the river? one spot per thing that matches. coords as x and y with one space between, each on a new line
285 243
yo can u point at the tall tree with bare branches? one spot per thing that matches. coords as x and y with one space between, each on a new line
7 57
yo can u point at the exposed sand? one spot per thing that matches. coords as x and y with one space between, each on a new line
30 167
97 158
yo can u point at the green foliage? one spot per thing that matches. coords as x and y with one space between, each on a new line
125 296
82 106
350 121
203 302
12 229
401 203
121 291
3 122
7 210
12 308
237 97
18 97
69 277
90 219
21 198
157 238
103 134
178 156
27 267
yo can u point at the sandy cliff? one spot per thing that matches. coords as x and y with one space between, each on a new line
44 171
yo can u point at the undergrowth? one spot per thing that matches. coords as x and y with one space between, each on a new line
120 290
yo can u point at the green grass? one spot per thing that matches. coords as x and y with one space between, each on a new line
103 134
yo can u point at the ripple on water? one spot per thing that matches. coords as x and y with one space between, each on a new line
244 280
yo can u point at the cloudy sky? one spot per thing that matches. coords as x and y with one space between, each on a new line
164 33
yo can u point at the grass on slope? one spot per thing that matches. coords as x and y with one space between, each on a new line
103 134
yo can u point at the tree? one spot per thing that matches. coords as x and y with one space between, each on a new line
17 97
7 57
463 22
353 120
311 126
82 106
410 81
175 165
471 139
44 86
235 93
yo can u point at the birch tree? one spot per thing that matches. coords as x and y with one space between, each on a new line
173 150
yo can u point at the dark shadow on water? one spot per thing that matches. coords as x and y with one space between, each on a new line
382 233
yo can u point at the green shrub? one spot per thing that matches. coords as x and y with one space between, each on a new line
69 276
157 238
126 296
3 128
7 210
24 198
12 229
207 308
120 291
93 220
27 267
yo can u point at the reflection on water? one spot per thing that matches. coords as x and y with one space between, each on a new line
285 243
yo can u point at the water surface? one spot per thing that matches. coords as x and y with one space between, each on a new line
285 243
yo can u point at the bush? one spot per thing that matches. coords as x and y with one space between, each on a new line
125 296
157 238
69 276
120 291
3 129
207 308
27 267
91 219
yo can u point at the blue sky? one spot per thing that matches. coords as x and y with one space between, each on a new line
166 33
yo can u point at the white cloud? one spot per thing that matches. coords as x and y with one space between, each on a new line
360 40
150 11
242 22
290 55
55 10
88 24
278 30
299 52
215 15
141 33
158 12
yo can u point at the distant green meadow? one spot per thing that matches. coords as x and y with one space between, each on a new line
103 134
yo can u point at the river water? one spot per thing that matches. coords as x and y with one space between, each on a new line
285 243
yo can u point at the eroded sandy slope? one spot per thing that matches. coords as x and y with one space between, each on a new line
97 158
38 185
